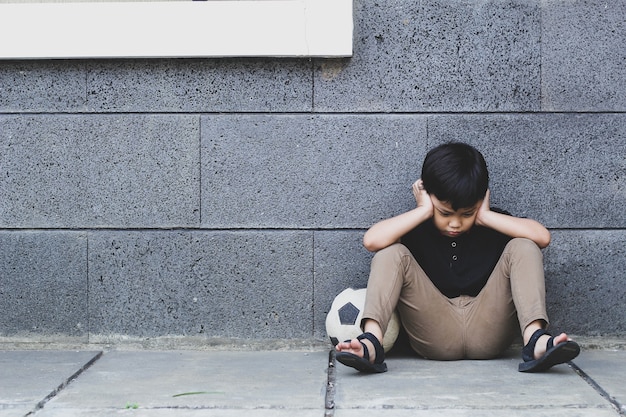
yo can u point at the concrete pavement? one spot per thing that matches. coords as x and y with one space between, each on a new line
258 383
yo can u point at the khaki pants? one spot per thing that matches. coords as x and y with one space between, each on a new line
465 327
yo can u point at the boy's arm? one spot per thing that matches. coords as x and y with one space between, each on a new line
512 226
389 231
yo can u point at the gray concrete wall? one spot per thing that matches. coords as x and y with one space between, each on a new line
219 198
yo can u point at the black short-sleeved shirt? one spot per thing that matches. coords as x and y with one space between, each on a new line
460 265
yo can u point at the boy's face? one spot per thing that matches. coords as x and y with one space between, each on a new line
453 223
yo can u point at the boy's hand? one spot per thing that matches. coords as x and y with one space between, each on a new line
422 198
483 209
512 226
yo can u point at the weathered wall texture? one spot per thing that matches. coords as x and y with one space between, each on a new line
228 197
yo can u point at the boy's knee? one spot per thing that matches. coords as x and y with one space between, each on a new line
523 246
390 256
392 251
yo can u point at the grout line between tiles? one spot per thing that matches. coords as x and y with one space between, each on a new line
329 406
620 408
64 384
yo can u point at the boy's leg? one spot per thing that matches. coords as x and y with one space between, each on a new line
432 322
514 295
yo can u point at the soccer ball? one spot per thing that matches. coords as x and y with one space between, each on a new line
343 321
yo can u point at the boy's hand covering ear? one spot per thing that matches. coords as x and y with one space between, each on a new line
417 187
422 198
484 208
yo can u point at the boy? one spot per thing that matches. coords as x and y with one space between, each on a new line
462 277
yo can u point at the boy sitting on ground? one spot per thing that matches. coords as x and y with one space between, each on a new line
463 277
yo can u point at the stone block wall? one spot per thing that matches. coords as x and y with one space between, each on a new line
227 198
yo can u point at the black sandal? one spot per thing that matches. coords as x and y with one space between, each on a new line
561 353
363 364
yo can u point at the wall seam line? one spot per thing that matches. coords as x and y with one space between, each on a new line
200 171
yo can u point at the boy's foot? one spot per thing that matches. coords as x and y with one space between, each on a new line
543 351
365 353
542 343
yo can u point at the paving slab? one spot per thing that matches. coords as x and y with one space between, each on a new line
183 383
419 387
606 369
28 377
195 383
182 412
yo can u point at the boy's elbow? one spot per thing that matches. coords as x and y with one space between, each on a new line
544 240
374 245
370 244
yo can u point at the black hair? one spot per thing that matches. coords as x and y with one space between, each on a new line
456 173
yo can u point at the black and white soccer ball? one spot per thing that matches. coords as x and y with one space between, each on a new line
343 321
